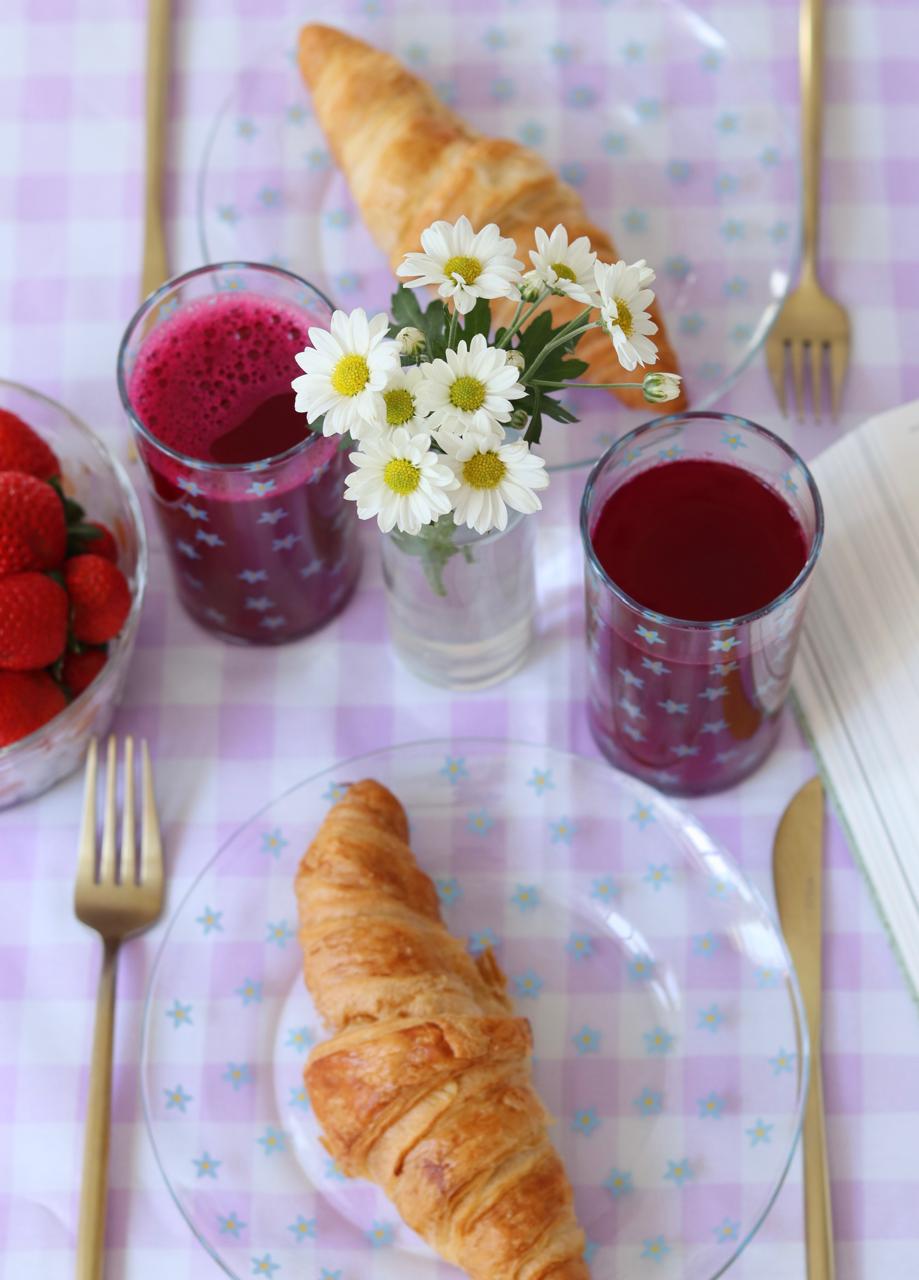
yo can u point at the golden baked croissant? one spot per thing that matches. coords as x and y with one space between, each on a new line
410 160
424 1087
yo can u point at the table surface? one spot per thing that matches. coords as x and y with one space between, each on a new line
229 727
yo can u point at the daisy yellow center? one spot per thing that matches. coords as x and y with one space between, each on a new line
402 476
459 265
563 271
400 406
467 394
484 470
350 375
624 317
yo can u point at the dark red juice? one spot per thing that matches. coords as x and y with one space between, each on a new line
701 541
263 546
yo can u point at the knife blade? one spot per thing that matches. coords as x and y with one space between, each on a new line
797 868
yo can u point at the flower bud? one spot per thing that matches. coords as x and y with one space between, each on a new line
515 360
660 387
410 340
531 287
519 419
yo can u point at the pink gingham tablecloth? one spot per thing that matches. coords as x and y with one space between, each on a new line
229 727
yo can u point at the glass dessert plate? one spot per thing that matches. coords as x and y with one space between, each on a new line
667 120
669 1039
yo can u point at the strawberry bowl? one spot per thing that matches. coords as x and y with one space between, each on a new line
93 477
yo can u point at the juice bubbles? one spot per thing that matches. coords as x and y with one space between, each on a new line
250 503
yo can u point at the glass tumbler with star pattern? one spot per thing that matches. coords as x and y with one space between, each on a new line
700 533
249 500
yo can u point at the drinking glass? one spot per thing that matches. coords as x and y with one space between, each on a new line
690 706
262 551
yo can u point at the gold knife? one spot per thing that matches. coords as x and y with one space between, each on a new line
797 867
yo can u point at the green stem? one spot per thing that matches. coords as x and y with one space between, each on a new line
451 335
512 327
562 340
606 385
520 320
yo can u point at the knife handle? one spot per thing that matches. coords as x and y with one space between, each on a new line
818 1214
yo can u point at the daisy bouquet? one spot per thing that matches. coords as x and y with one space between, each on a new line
444 411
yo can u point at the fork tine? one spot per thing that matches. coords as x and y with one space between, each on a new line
107 855
775 362
151 847
839 363
816 363
128 871
797 376
86 857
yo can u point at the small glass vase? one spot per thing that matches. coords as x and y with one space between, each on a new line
460 603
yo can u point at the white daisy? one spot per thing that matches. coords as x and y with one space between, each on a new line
400 398
470 392
565 268
345 371
464 264
400 480
493 479
624 300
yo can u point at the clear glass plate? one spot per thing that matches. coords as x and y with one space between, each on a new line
666 118
669 1038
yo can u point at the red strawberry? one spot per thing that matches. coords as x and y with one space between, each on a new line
79 670
33 621
105 545
33 531
89 537
100 598
28 699
22 449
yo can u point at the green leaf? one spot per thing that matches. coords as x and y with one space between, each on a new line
533 432
80 538
553 409
478 320
405 309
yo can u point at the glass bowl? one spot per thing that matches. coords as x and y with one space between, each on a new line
96 479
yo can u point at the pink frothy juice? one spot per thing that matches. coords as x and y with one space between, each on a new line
263 546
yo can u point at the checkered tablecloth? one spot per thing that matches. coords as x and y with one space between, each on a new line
229 727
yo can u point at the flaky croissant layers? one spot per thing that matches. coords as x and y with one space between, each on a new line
424 1086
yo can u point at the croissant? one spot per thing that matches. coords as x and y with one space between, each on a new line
424 1088
410 160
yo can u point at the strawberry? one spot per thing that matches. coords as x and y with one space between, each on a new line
79 670
100 598
33 530
22 449
89 537
33 621
28 699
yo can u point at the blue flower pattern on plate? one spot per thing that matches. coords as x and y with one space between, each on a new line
659 1041
585 1121
526 897
711 1107
528 985
303 1228
619 1183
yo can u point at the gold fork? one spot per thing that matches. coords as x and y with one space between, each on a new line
809 317
117 897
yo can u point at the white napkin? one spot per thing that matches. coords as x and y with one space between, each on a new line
857 676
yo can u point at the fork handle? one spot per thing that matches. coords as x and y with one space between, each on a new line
94 1187
810 43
